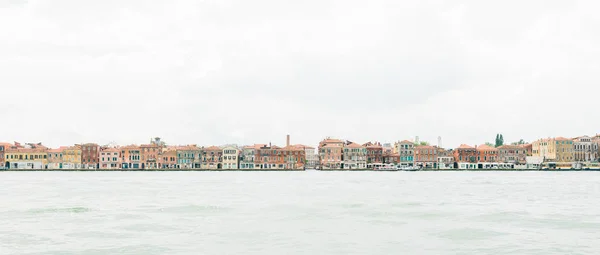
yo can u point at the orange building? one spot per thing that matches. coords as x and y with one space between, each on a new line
487 154
131 157
426 156
330 153
294 157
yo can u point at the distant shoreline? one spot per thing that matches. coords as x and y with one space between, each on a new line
295 170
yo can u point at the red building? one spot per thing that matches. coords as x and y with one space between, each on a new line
487 154
150 155
3 147
426 156
391 158
212 158
374 152
294 157
466 154
89 155
269 157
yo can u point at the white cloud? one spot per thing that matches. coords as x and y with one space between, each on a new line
213 72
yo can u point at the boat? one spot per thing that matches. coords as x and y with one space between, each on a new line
385 168
409 168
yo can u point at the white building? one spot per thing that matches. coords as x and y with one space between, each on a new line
231 157
585 150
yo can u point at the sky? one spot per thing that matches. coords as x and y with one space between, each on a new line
233 71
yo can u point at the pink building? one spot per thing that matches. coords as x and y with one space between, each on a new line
109 158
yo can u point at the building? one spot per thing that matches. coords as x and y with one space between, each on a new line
406 149
487 154
3 147
248 155
374 153
109 158
555 150
269 157
29 156
354 157
389 157
426 156
330 153
72 157
231 157
584 149
312 158
55 158
212 158
189 157
294 157
528 149
131 157
151 154
445 159
465 157
388 148
89 155
168 159
515 154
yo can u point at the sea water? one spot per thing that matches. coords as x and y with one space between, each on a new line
300 213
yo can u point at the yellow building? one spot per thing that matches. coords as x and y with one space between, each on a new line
72 157
30 156
557 149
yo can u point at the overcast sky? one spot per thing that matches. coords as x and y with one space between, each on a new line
237 71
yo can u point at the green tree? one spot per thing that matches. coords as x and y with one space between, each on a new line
489 144
423 143
499 140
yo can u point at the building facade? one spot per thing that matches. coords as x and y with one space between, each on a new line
89 155
294 157
515 154
426 156
406 149
557 149
151 154
248 155
374 152
109 158
487 154
354 157
212 158
168 159
72 157
28 156
389 157
585 149
269 157
3 147
131 157
330 153
231 157
189 157
55 158
465 157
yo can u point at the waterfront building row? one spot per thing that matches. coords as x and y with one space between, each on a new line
331 154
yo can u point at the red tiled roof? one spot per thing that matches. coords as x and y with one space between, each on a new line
354 145
213 148
464 146
485 147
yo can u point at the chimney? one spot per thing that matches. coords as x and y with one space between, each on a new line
287 143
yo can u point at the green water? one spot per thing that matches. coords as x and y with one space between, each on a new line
299 212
